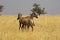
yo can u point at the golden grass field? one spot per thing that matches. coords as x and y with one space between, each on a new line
47 27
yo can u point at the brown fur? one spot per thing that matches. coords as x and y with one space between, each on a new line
25 21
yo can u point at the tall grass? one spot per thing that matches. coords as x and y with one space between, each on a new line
47 27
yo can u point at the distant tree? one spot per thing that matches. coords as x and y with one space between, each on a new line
1 8
38 9
43 11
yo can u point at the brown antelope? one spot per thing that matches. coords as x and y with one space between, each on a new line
26 21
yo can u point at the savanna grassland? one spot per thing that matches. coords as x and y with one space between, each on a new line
47 27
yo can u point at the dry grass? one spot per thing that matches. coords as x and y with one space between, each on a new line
47 27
